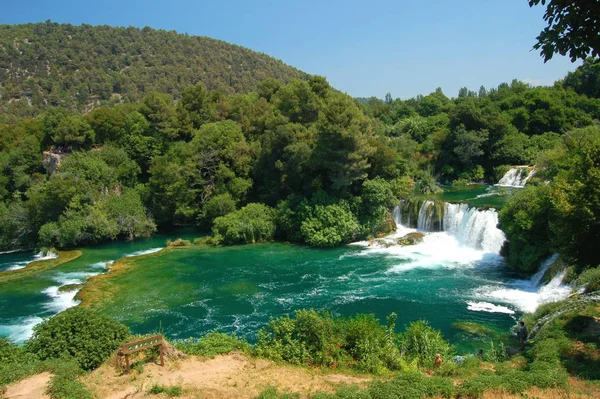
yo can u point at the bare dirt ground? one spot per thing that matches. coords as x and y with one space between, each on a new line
237 376
30 388
228 376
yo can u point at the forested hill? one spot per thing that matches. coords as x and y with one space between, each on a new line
77 67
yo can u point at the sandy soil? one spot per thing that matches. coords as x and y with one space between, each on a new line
30 388
229 376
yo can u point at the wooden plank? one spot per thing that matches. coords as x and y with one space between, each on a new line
146 343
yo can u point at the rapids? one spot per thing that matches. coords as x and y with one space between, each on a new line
455 274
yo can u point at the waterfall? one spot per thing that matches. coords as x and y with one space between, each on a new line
425 221
473 228
536 279
397 213
516 177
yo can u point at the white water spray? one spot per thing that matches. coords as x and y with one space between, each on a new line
516 177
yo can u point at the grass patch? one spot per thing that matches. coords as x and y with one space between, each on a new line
172 390
39 266
212 344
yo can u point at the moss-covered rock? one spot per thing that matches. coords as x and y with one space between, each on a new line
411 239
69 288
472 328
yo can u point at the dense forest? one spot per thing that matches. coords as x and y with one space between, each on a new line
81 67
296 161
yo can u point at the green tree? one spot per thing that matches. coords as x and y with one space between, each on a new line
572 29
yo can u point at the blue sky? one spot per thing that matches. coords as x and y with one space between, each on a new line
365 48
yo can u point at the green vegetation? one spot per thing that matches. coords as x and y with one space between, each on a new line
77 333
170 391
79 67
212 344
563 215
361 342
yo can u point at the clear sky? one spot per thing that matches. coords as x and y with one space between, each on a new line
365 48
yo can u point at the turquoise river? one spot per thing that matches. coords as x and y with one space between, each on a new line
455 274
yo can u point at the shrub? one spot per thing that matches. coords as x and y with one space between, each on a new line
590 279
422 342
311 337
252 223
212 344
329 225
8 350
79 333
180 242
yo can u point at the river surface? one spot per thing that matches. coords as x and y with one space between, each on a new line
451 276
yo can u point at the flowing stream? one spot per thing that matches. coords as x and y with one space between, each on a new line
454 274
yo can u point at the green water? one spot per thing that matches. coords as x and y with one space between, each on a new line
191 291
26 302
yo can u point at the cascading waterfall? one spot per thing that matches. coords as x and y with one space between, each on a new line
472 227
425 221
536 279
397 213
516 177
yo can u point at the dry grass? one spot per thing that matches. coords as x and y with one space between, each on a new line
229 376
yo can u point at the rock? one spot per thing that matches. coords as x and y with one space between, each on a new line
411 239
69 288
52 161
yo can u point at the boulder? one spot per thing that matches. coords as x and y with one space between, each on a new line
411 239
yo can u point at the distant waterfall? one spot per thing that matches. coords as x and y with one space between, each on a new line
516 177
472 227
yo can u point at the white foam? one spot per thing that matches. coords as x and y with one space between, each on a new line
60 301
21 329
18 265
488 307
22 264
102 265
144 252
525 295
12 251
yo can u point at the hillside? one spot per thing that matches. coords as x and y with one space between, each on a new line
78 67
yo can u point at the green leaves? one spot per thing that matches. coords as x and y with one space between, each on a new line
78 333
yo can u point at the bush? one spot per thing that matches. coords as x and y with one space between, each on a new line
180 242
329 226
422 342
590 279
78 333
312 337
8 350
212 344
252 223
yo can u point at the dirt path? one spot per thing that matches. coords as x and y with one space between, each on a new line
30 387
229 376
